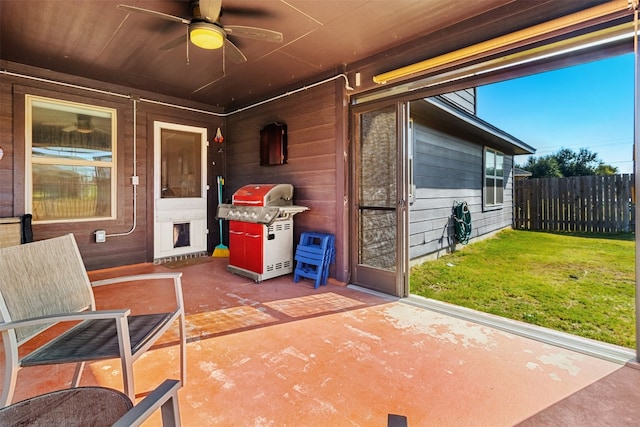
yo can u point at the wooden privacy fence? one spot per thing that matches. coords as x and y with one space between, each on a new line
597 204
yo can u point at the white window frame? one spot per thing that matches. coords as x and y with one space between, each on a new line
30 160
491 203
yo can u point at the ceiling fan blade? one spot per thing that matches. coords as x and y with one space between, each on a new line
210 9
153 13
248 12
232 51
253 33
175 42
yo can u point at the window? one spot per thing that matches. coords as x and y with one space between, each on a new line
493 178
70 161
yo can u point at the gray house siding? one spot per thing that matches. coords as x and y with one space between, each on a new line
449 169
464 99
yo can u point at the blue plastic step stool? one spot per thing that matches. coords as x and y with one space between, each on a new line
313 256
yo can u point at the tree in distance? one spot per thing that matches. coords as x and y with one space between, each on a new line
566 162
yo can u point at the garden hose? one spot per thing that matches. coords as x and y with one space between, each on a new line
462 218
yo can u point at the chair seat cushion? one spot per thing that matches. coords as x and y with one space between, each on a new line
95 340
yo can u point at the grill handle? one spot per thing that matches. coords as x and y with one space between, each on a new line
247 202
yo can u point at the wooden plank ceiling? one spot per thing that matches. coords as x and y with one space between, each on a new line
96 40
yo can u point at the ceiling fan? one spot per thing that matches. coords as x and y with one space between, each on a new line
206 31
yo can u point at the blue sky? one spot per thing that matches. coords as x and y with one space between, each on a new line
585 106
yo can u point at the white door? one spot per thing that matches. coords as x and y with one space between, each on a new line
180 183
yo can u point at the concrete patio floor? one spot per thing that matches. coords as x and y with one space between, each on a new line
281 353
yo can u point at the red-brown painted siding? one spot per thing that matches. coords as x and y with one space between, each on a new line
116 251
316 141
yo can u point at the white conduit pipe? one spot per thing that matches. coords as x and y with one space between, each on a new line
303 88
134 177
181 107
134 99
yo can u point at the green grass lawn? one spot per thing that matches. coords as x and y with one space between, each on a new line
577 283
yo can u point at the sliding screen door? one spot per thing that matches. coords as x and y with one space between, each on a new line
379 210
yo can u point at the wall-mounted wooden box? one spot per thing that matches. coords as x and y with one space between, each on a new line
273 144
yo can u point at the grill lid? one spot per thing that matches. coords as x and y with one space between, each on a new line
264 195
261 203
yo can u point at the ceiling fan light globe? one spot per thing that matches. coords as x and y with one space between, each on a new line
206 36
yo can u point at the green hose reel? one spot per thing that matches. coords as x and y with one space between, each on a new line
462 218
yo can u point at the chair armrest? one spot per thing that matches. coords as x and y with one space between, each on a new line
165 397
136 277
176 276
69 317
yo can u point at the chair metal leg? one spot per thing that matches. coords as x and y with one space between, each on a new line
171 411
124 342
177 283
164 397
77 374
183 350
10 370
394 420
127 379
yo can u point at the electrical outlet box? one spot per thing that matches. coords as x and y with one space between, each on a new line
101 236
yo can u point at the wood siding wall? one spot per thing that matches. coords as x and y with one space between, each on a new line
315 166
7 139
447 170
137 246
593 204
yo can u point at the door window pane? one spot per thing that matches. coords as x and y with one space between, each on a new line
378 237
377 189
181 168
378 158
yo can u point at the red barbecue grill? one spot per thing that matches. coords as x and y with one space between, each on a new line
261 230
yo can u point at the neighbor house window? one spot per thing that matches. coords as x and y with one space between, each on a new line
493 178
70 161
